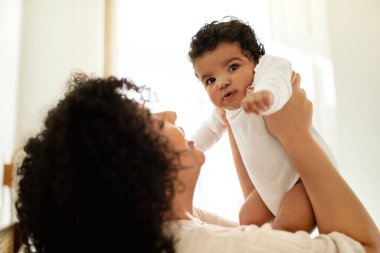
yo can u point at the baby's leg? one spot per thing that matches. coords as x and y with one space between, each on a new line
254 211
295 212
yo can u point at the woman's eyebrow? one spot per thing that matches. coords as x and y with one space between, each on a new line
158 121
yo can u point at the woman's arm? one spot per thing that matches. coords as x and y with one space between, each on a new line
335 205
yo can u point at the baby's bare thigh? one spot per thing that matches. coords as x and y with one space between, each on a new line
254 211
295 212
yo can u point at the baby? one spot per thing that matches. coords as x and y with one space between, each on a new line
245 83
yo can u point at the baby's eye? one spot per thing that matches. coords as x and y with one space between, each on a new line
210 81
233 67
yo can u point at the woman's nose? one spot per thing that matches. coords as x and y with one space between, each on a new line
171 116
168 116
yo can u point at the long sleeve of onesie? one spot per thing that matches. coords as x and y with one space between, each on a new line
274 74
209 132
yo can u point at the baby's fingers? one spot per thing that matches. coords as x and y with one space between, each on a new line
253 103
248 105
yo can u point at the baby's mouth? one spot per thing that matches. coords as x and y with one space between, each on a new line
228 95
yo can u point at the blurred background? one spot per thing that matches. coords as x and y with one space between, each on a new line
334 45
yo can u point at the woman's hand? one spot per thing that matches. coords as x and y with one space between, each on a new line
294 119
335 205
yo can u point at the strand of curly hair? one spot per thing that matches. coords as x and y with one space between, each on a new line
97 178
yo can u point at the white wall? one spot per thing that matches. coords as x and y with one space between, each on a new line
354 30
56 37
41 42
10 24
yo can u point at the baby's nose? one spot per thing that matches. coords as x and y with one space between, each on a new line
223 84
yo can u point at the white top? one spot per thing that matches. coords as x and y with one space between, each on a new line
274 74
266 161
201 237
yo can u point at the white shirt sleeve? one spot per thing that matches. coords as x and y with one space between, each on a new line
212 218
274 74
209 132
243 239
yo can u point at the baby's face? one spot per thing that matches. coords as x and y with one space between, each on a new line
225 73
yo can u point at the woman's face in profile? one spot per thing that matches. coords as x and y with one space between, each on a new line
189 155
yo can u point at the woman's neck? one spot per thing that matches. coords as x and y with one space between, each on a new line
182 205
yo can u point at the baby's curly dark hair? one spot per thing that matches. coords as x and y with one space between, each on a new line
98 177
230 29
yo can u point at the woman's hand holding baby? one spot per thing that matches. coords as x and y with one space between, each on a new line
294 117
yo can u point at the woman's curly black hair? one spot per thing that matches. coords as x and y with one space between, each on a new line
231 30
98 177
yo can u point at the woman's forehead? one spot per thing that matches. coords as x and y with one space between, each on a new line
169 116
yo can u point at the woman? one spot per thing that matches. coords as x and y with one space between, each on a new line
105 175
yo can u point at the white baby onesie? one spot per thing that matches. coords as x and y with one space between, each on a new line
266 161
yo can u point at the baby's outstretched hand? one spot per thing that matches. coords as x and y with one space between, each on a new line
257 102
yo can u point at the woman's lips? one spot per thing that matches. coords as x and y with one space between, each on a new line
190 143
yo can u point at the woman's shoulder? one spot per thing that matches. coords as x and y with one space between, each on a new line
192 236
212 218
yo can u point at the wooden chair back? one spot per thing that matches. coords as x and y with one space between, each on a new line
10 239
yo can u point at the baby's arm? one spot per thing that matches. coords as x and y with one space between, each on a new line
272 87
209 132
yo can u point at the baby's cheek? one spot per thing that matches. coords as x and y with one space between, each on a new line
215 99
